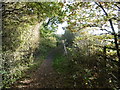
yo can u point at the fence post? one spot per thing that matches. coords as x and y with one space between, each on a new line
65 50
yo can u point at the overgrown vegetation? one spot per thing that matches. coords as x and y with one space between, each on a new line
85 58
85 66
92 60
22 37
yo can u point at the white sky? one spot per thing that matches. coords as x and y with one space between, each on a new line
64 24
60 30
96 31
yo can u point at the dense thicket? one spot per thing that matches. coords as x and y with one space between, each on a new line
22 27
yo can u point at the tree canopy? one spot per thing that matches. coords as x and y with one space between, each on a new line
91 40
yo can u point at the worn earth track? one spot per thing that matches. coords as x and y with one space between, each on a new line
43 77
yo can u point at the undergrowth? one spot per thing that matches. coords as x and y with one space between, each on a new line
82 71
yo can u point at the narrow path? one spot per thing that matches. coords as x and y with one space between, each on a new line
43 77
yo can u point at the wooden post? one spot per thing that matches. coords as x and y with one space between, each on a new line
65 50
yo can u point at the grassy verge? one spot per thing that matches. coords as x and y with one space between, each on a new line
62 66
58 63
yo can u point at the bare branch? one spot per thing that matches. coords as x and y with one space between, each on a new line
106 31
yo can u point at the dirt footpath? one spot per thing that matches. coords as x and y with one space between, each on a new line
43 77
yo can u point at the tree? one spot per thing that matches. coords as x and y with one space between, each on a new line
88 15
113 30
91 15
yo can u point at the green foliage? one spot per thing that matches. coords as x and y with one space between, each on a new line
46 9
85 66
47 39
21 36
25 32
88 71
58 62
